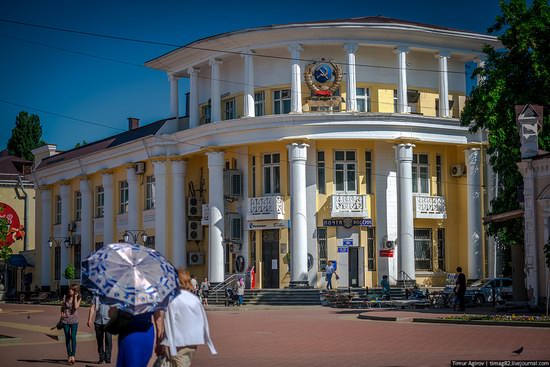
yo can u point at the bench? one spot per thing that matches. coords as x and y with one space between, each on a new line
39 297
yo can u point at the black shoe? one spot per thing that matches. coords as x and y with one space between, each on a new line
100 361
108 361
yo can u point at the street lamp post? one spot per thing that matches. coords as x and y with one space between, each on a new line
134 234
54 241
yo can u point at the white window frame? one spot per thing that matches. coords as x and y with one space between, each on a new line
417 169
345 163
124 196
259 103
280 100
270 185
77 206
363 94
100 201
150 192
230 109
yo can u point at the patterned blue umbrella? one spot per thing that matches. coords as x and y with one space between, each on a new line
135 278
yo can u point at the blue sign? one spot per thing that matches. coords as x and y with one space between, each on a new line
347 241
342 249
347 222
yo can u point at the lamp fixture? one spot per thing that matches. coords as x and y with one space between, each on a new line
54 241
133 235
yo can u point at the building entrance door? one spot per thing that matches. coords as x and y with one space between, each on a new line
270 258
356 266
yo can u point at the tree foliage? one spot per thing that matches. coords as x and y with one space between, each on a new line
25 136
70 272
81 144
517 74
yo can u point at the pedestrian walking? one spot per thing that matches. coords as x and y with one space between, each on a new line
329 270
99 317
194 285
205 288
182 326
460 289
385 284
69 319
240 290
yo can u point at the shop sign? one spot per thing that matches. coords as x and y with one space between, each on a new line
347 242
386 253
267 224
15 229
343 249
347 222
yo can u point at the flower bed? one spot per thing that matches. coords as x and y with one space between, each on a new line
499 318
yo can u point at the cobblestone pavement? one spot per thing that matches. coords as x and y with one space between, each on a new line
298 336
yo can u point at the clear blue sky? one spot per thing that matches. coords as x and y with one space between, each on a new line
35 72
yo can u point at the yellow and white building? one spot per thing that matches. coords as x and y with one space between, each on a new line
379 176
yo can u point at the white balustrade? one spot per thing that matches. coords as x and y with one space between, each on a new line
349 206
266 208
432 207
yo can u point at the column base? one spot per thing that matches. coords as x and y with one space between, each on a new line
303 284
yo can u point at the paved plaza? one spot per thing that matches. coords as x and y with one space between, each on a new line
298 336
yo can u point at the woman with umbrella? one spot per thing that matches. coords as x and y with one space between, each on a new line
136 281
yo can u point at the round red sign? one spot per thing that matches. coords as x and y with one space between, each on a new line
15 229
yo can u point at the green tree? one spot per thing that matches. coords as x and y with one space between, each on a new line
25 136
81 144
69 272
515 75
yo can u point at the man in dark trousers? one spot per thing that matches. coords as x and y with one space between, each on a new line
460 288
99 316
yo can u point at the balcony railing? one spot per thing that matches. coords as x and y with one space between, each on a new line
266 208
350 206
432 207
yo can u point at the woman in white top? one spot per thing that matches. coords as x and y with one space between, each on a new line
183 326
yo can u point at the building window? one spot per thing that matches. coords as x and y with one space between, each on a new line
230 110
321 181
150 242
150 192
98 245
441 249
439 175
77 206
345 178
395 100
281 101
423 249
420 174
253 176
368 171
363 99
57 263
259 103
371 249
206 113
322 248
77 259
124 195
57 209
99 202
272 173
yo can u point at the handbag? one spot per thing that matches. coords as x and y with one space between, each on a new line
59 324
162 361
337 277
118 323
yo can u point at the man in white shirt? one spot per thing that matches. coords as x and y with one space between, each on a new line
329 271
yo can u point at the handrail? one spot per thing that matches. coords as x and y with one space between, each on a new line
402 272
223 285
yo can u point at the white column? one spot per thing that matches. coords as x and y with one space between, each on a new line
402 103
297 154
531 246
296 81
65 193
193 97
86 224
405 222
133 198
443 84
248 56
108 209
473 194
491 195
351 83
174 109
216 164
215 88
47 253
159 170
179 220
311 202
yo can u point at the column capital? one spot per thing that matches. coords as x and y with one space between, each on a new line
404 49
45 187
404 152
193 71
213 62
247 52
85 178
442 53
179 167
105 172
158 159
297 151
351 47
172 77
294 48
215 158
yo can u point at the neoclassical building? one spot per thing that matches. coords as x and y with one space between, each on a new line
300 143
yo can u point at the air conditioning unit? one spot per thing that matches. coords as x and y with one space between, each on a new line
72 226
140 168
195 258
232 183
194 230
457 170
76 239
390 245
233 227
194 207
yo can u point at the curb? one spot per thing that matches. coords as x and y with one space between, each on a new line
9 339
482 323
376 318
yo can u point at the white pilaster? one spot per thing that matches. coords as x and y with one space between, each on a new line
351 83
443 84
65 193
215 88
491 243
248 56
311 203
405 224
216 164
296 81
47 253
133 199
193 97
179 220
402 102
159 171
86 224
108 209
242 166
297 153
473 194
531 247
174 105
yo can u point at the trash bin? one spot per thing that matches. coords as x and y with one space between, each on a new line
250 281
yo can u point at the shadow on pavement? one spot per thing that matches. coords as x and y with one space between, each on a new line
55 361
